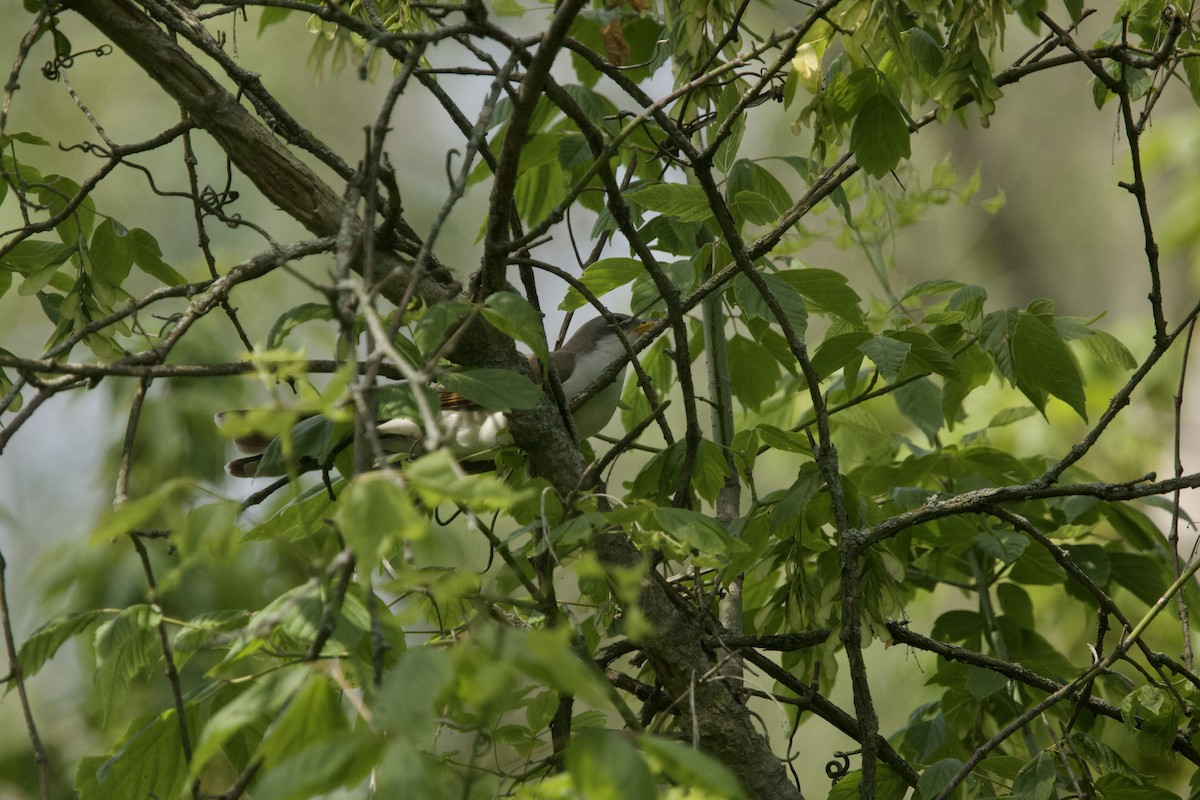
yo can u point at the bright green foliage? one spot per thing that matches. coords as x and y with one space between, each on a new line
910 486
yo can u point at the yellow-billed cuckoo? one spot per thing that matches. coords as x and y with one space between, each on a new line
470 430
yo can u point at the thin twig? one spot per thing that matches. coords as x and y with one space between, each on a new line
17 676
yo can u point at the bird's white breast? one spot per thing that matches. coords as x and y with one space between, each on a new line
591 418
467 432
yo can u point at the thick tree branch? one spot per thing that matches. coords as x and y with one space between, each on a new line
280 176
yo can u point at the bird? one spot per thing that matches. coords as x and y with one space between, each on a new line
469 431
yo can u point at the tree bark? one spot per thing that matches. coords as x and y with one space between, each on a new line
282 178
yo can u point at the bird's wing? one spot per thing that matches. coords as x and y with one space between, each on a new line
564 364
452 401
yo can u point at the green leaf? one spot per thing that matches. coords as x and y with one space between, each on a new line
684 202
1036 567
204 630
969 300
1007 416
602 277
850 93
126 645
755 305
55 192
975 369
37 281
879 136
548 657
1092 560
710 470
1100 757
146 762
321 768
694 530
1119 787
604 766
112 251
753 373
826 289
1042 362
727 150
959 625
1142 575
376 515
926 355
32 255
1191 68
539 190
255 707
749 175
405 704
271 16
540 149
1003 545
927 736
789 510
305 445
921 403
1016 603
925 51
995 336
286 322
312 715
687 767
434 479
573 151
405 771
787 441
935 777
436 324
148 257
1100 92
838 351
934 286
888 354
44 642
512 314
983 683
754 208
1108 349
23 136
1035 781
595 106
888 786
298 519
494 389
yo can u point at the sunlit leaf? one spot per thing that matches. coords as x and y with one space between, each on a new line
256 706
604 766
44 642
147 761
602 277
126 646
